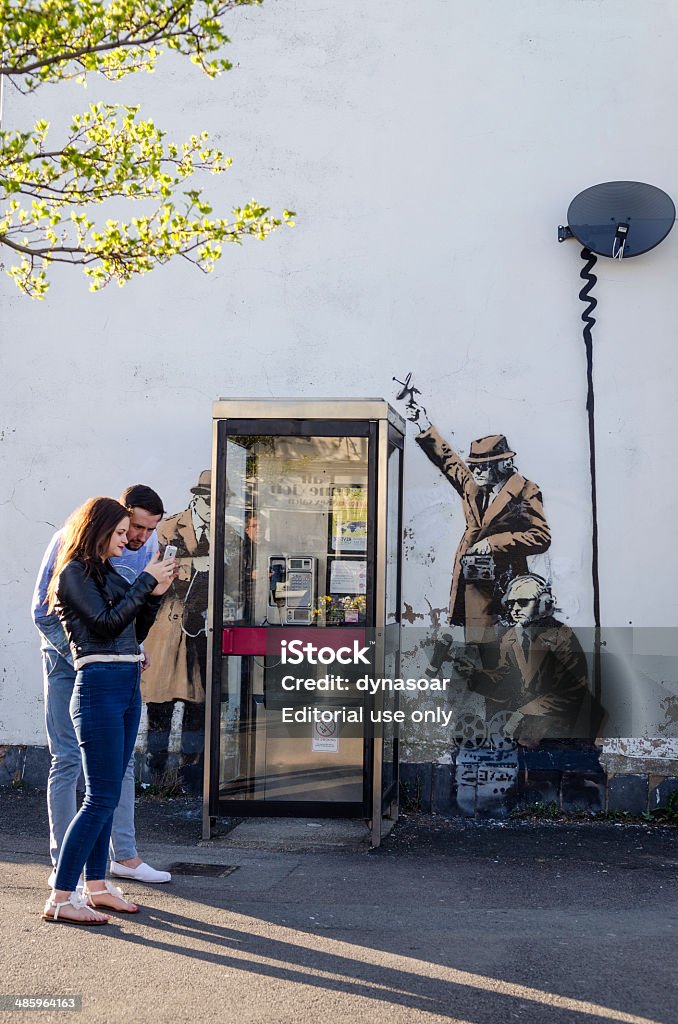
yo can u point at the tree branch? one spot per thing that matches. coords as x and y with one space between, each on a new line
148 33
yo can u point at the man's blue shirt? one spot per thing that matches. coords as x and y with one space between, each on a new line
131 564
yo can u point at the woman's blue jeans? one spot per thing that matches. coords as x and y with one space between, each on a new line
105 709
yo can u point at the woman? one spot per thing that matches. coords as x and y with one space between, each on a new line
105 619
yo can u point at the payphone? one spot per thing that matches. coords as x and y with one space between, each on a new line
292 587
307 521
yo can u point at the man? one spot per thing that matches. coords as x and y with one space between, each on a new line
145 511
541 679
178 641
504 515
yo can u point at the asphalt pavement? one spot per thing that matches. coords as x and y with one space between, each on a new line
299 922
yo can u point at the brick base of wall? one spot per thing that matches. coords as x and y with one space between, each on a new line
483 784
29 766
477 783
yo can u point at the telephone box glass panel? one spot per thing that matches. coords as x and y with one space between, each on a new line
296 554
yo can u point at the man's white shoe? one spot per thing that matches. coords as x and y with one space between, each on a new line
51 882
142 873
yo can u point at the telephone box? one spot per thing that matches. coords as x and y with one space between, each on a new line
304 610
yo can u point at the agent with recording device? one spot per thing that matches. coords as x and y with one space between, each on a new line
505 523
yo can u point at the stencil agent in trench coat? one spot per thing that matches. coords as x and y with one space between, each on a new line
504 519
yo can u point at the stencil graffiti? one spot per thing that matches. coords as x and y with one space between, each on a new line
540 683
505 521
178 642
527 665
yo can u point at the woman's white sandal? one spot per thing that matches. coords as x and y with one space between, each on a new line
115 891
80 903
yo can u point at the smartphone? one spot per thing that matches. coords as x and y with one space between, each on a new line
170 552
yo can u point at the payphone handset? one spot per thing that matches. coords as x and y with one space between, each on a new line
292 584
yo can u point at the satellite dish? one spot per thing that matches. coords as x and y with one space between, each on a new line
620 218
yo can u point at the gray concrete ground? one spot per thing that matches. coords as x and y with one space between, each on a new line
449 921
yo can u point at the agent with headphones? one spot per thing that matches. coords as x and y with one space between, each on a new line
528 598
541 678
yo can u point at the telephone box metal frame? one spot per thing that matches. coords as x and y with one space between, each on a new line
385 430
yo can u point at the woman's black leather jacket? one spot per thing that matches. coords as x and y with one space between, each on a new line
101 612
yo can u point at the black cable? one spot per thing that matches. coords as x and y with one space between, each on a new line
589 321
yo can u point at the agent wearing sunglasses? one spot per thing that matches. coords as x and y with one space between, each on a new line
541 677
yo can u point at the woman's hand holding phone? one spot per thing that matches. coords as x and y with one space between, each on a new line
163 571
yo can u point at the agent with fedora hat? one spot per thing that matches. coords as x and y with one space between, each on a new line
505 523
178 641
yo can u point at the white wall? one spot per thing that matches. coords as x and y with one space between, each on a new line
430 151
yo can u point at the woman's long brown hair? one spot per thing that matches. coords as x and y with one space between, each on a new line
86 536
